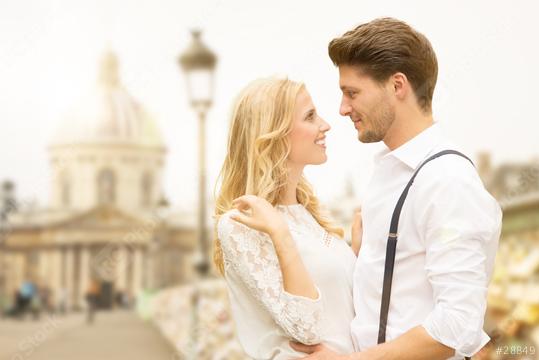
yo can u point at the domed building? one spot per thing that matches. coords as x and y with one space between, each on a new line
107 220
108 150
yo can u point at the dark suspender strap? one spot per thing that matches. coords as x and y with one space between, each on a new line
392 246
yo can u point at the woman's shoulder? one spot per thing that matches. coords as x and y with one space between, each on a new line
227 226
225 217
225 221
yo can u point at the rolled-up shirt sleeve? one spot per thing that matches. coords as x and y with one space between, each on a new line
462 224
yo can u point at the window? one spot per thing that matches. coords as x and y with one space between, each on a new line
65 190
146 190
106 187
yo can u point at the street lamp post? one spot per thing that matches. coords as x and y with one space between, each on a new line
7 206
198 64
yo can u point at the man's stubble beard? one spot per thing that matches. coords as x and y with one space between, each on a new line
379 122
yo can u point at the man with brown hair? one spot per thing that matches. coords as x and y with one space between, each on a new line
423 296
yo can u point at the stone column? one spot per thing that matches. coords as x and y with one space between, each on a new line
44 266
18 268
69 276
145 269
10 268
84 276
137 271
55 258
150 270
122 262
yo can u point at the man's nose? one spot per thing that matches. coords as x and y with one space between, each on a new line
345 108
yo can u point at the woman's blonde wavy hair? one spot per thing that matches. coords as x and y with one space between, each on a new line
257 150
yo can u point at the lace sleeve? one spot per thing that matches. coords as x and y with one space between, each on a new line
251 255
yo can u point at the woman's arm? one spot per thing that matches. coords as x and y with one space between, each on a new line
260 215
296 278
250 258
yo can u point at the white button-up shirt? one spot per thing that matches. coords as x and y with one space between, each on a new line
447 241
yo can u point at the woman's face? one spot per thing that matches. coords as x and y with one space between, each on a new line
308 134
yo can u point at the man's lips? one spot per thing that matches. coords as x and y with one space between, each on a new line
356 122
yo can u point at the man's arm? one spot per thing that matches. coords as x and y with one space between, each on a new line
415 344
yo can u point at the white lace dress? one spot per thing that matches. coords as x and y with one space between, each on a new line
266 316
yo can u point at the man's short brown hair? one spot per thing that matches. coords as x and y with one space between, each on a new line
385 46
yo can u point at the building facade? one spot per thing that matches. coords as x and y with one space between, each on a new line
107 221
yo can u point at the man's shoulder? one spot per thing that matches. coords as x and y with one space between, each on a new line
448 169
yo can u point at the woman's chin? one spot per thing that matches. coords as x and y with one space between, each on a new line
320 161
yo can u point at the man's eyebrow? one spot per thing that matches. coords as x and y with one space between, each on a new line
349 88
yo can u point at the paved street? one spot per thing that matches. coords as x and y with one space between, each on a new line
113 336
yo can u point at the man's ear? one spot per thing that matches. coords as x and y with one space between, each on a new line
400 84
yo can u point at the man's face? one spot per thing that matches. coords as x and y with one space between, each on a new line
367 102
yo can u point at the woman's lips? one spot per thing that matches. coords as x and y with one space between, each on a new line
321 142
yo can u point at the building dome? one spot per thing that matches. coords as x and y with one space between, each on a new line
108 115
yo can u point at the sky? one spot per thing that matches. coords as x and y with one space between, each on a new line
50 49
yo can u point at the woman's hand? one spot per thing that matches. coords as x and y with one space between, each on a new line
357 231
259 214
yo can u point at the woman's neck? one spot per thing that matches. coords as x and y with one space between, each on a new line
294 175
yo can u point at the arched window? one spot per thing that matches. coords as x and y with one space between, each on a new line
106 187
146 190
65 190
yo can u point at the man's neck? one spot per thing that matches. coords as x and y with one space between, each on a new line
405 128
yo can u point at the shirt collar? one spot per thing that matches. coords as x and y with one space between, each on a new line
413 152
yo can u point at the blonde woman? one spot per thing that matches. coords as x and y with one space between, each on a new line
288 271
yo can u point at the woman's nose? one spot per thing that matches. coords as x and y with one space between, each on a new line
324 126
